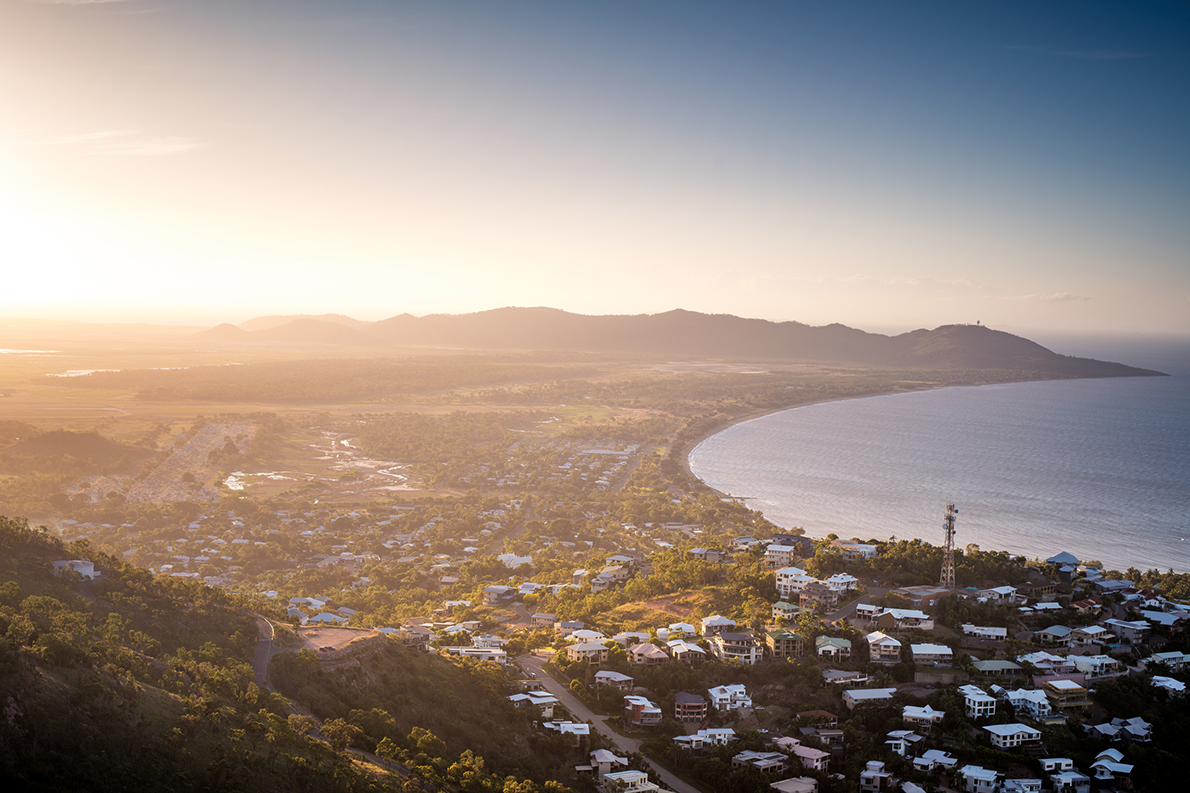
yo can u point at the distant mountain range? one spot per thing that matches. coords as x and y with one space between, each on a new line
678 333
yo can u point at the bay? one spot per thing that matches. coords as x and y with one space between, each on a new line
1099 468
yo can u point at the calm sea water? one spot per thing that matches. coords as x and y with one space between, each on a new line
1099 468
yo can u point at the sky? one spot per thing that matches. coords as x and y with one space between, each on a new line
886 165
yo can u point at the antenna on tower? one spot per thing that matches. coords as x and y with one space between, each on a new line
947 580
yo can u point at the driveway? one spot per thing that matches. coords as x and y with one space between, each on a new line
535 664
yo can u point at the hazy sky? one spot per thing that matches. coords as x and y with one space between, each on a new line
888 165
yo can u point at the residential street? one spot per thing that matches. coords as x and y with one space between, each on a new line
535 663
264 650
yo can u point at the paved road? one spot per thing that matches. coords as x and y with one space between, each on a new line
848 609
264 650
535 664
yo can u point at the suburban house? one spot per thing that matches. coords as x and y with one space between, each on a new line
779 555
811 758
862 697
543 620
986 634
785 644
716 623
1097 666
741 647
496 595
687 652
767 762
613 679
567 628
713 736
1054 636
1030 702
931 654
641 711
790 581
893 619
689 707
815 594
851 550
730 697
647 655
977 703
629 782
540 699
883 649
1065 694
933 758
783 610
589 652
979 780
924 717
875 779
996 668
1132 632
1011 736
829 646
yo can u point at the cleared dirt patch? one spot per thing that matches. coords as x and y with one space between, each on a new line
337 639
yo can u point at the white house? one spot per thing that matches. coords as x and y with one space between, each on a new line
1010 736
978 704
883 649
859 697
931 653
730 697
924 717
979 780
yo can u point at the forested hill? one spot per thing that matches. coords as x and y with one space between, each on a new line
684 333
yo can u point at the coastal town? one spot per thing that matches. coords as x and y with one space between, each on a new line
842 679
531 578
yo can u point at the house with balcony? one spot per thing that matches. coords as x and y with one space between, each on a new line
647 654
1031 702
716 623
785 644
977 703
618 680
852 550
733 696
689 708
883 649
741 647
922 718
985 633
1013 736
868 697
831 647
1090 636
809 757
587 651
777 555
934 758
875 778
686 652
641 712
936 654
975 779
1066 695
791 580
1128 632
783 610
815 594
766 762
629 782
1097 667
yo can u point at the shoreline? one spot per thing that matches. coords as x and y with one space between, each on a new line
1114 563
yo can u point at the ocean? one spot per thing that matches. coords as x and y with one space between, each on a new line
1099 468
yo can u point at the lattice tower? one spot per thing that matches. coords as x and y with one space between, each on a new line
947 580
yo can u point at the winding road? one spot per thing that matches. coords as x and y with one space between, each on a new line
536 664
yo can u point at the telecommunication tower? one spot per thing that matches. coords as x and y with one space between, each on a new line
947 580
